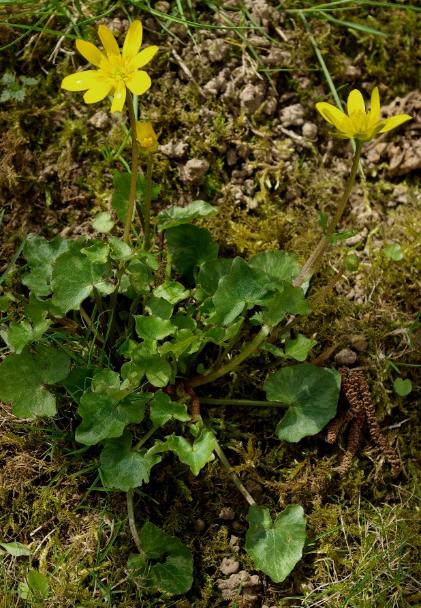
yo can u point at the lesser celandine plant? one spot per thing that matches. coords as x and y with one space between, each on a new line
119 325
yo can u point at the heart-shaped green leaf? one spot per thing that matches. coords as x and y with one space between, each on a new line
189 247
172 568
238 290
74 278
402 387
195 455
164 409
312 395
299 347
153 328
41 256
174 216
23 380
278 266
121 467
288 299
276 546
104 417
19 335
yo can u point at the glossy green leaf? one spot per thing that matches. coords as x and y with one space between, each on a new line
16 549
74 278
97 252
189 247
139 275
36 587
195 455
24 379
174 216
240 289
158 371
171 570
298 348
103 222
185 343
172 291
312 395
276 546
210 273
278 266
19 335
153 328
123 468
402 387
163 409
104 417
158 307
41 256
119 249
287 300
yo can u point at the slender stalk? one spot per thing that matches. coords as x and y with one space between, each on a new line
219 452
134 170
248 350
316 256
132 522
147 202
90 324
145 438
241 402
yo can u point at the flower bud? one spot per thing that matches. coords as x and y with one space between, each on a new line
146 136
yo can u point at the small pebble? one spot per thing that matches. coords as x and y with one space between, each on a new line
194 171
227 513
310 131
346 356
199 525
229 566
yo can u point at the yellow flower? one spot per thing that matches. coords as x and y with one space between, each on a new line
146 136
358 123
116 70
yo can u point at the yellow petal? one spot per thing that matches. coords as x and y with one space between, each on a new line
90 52
119 97
144 57
97 92
331 113
139 83
355 102
108 41
375 105
80 81
395 121
133 40
345 128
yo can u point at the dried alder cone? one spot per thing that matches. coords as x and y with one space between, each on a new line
361 409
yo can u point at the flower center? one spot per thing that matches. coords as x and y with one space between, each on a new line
117 68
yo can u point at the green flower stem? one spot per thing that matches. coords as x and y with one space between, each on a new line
241 402
219 452
147 201
132 522
248 350
134 171
316 256
145 438
90 324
